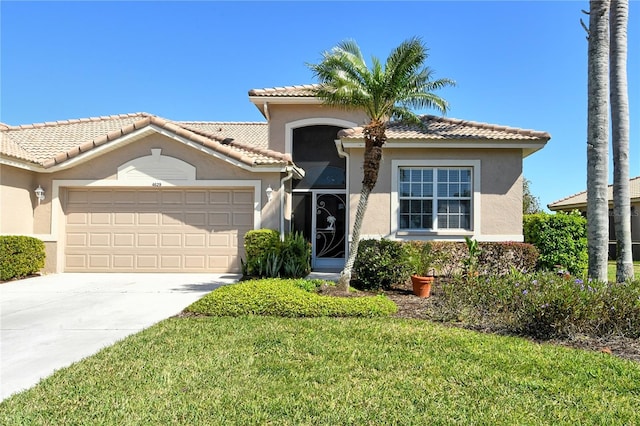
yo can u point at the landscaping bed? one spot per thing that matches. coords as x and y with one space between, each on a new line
411 306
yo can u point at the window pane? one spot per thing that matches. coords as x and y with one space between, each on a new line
404 189
454 175
442 175
454 221
416 190
404 175
465 175
442 190
465 190
443 206
416 222
464 222
416 175
404 221
416 206
454 190
404 206
454 206
427 175
442 221
427 190
427 221
427 207
465 207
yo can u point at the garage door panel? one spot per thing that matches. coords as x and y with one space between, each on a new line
142 230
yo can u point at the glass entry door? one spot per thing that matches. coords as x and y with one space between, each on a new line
321 217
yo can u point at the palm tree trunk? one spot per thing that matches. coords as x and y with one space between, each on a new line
345 275
620 138
374 138
598 139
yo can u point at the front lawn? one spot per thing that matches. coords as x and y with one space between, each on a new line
296 371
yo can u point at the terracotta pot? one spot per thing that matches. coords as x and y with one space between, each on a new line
421 285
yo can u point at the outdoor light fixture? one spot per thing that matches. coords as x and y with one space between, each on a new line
269 191
39 194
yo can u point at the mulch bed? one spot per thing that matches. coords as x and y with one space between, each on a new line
413 307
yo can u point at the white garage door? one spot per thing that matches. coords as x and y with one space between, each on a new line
156 230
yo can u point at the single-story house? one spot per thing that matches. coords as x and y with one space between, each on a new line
141 193
579 202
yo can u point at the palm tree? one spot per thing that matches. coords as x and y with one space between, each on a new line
620 137
383 93
598 139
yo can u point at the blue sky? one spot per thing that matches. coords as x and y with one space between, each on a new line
516 63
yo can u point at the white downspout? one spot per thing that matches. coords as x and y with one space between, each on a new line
282 195
343 154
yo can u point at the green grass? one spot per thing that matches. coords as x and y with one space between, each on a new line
327 371
611 270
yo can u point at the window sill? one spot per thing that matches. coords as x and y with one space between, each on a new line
440 233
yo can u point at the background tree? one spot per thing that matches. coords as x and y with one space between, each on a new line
383 93
620 138
598 139
530 203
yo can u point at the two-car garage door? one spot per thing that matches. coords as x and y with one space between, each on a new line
156 230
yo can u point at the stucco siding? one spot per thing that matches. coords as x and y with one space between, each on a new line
17 200
281 115
501 188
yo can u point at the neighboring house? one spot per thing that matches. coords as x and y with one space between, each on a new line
579 202
136 192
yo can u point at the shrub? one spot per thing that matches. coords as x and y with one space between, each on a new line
560 238
262 247
20 256
296 255
380 264
268 257
543 305
287 298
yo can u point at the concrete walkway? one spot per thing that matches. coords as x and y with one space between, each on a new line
50 322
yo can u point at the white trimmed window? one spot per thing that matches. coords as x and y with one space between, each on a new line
435 196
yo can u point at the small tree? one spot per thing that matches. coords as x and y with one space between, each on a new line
530 203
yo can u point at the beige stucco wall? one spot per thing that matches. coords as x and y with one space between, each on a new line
17 200
281 115
29 218
500 180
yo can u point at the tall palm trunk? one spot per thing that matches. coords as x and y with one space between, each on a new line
374 138
598 139
620 138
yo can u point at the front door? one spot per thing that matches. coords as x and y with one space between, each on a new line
321 217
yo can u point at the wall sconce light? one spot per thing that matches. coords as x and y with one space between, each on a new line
39 194
269 191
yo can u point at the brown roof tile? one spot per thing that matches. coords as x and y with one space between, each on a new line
53 143
580 199
441 128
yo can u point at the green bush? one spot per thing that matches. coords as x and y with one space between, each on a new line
287 298
268 257
380 264
296 255
20 256
262 248
560 238
542 305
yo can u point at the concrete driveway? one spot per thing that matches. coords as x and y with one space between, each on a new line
50 322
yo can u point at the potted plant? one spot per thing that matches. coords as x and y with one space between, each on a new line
421 263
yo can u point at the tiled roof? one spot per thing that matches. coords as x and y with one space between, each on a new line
441 128
301 91
51 143
580 199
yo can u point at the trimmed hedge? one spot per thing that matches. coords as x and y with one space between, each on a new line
287 298
560 238
20 256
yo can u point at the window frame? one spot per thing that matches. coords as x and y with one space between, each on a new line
474 218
